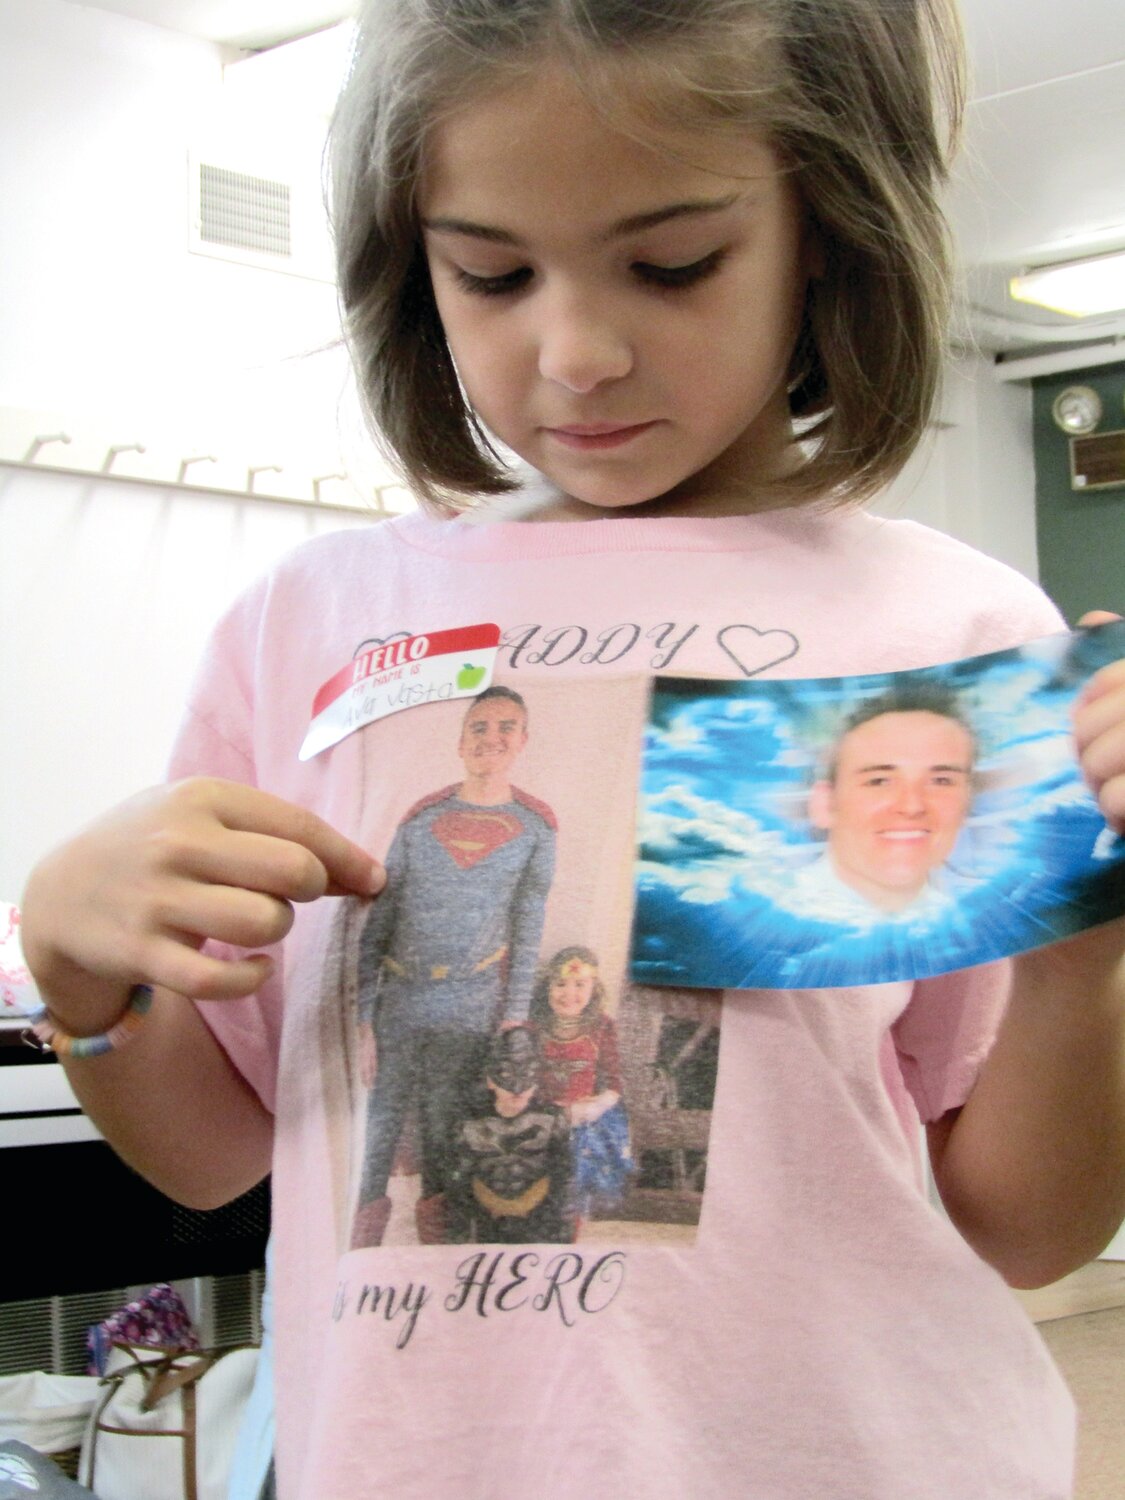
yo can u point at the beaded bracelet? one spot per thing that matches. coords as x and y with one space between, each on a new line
52 1038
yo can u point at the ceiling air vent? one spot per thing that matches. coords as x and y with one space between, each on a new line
265 211
242 212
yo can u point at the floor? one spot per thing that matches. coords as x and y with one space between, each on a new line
1095 1288
1082 1320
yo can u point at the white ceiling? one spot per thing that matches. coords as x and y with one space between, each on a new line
1043 176
240 23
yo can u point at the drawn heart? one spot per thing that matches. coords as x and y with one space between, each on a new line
373 641
755 651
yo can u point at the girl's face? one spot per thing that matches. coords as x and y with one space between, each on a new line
622 318
572 989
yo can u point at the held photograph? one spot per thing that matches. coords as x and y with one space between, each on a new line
857 830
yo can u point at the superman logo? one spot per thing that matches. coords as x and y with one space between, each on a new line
470 836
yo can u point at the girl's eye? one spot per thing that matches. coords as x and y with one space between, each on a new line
493 286
670 278
675 277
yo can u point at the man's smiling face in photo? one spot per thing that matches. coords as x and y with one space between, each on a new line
493 734
900 793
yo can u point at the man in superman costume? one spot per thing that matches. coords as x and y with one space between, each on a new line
448 954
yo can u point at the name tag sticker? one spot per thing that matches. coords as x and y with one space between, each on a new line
401 674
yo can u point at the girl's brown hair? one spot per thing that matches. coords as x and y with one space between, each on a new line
862 99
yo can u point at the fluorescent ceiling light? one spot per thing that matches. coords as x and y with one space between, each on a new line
1078 288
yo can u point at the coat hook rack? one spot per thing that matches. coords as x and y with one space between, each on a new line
252 474
57 443
323 479
196 458
111 455
41 442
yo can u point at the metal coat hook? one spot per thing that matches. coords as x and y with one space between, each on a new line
196 458
252 474
323 479
117 448
41 442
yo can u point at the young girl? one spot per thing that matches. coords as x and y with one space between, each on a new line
683 259
582 1072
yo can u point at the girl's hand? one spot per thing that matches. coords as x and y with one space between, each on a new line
133 898
586 1111
1099 732
581 1112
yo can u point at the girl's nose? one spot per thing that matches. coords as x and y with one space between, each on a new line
580 349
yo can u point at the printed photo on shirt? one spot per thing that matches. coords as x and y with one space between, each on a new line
498 1080
858 830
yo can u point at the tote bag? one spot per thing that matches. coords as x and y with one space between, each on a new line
166 1424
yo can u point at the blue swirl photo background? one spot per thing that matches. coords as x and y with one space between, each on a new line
723 829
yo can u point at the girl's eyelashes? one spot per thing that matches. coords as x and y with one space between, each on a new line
666 278
675 277
492 286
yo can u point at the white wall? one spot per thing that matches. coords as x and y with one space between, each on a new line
96 112
105 314
975 476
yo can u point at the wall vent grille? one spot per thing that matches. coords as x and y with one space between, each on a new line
262 209
236 1308
242 212
49 1333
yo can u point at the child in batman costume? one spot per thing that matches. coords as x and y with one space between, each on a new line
510 1178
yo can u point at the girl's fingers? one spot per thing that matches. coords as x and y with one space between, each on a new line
251 861
175 966
350 870
1099 733
1097 617
346 867
1108 677
1102 711
1111 800
228 914
136 896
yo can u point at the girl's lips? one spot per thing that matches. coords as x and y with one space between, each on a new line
597 434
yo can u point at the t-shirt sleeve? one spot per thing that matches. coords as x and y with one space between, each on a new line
215 740
945 1033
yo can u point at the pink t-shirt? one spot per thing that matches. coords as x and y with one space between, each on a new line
758 1300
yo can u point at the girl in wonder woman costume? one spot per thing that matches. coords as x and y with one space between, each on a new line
582 1073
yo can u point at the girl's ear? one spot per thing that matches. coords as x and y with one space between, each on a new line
820 805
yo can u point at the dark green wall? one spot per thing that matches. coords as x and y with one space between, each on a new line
1081 533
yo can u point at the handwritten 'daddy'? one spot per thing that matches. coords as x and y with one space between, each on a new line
493 1282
